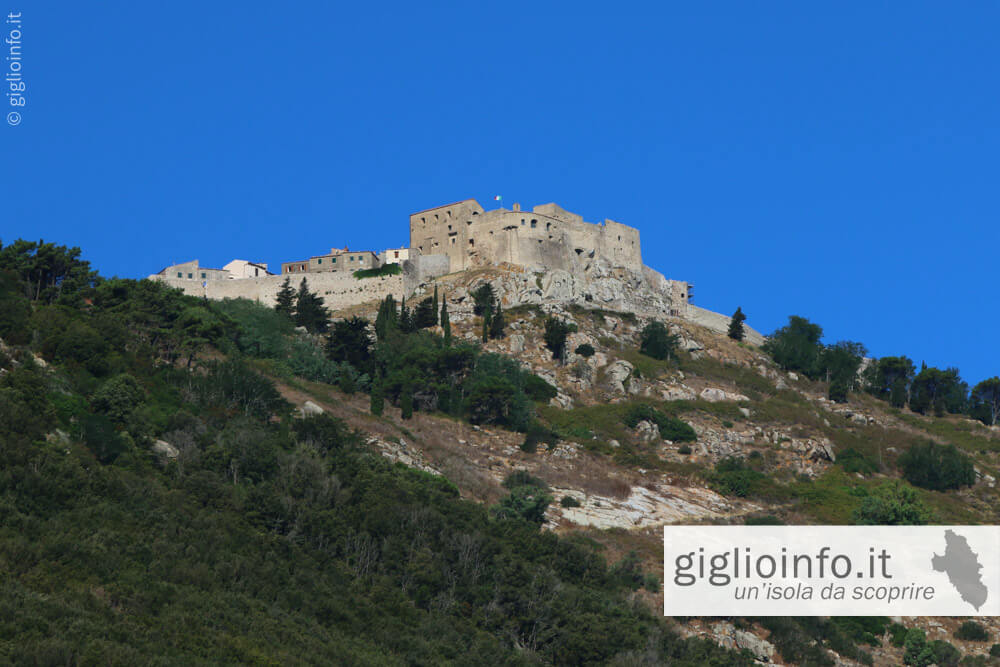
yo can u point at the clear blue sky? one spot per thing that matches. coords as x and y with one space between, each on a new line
833 160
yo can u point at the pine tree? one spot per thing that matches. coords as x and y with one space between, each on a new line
285 301
736 324
497 323
445 322
309 310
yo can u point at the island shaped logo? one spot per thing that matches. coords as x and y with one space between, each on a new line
831 570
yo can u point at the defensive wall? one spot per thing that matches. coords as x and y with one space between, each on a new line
547 236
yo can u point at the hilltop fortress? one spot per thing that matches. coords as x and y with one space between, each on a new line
557 255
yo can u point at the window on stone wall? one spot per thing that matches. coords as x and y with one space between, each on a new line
319 261
190 276
452 241
203 276
534 223
180 275
449 228
522 222
472 242
548 226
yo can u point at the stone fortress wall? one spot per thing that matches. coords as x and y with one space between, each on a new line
598 258
548 237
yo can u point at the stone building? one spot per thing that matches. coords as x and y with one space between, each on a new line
240 268
547 236
394 255
338 259
191 271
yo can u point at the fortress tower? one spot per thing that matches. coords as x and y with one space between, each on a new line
547 236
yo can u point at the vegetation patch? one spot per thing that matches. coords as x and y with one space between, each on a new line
384 270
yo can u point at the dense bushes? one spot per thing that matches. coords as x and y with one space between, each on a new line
670 428
937 467
657 342
892 504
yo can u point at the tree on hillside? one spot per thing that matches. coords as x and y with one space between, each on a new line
937 390
405 318
736 324
425 314
657 341
986 399
310 311
387 319
497 323
889 378
285 300
445 322
51 273
796 346
892 504
839 364
435 308
937 467
483 297
349 342
556 332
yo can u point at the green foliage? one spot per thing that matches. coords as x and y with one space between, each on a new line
528 499
736 325
496 323
377 399
971 631
118 398
995 651
425 314
103 439
49 273
671 428
897 634
889 379
796 346
16 309
937 467
556 332
684 450
938 391
261 331
483 299
349 342
853 461
384 270
657 342
238 389
585 350
387 319
406 402
285 299
732 477
985 401
538 389
569 501
310 311
445 322
537 434
892 504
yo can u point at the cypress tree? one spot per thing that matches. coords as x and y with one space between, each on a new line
388 317
736 324
309 310
497 323
445 322
405 319
285 301
435 305
486 324
406 401
377 398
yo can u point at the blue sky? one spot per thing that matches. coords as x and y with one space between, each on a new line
833 160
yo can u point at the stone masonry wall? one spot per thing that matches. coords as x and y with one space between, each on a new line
339 290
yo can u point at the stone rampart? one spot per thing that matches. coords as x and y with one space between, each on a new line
719 323
339 290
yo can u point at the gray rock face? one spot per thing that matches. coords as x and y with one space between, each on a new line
647 431
516 342
309 408
618 374
165 449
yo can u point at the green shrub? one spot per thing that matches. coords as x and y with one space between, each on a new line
384 270
657 341
897 634
538 389
732 477
569 501
853 461
528 498
937 467
684 450
671 428
102 439
995 651
892 504
118 398
764 520
972 631
585 350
